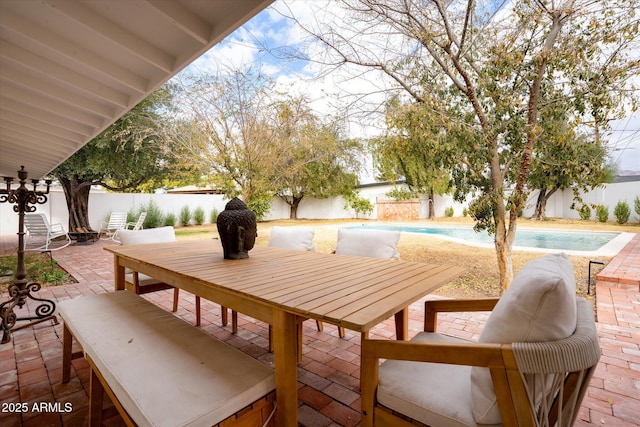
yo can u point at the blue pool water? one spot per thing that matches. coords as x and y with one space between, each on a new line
541 239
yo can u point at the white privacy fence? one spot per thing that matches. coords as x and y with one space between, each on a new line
101 203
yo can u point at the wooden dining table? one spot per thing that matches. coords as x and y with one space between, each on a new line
282 287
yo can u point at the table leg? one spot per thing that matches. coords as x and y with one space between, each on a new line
402 324
285 359
118 272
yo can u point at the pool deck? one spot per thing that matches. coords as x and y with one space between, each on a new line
328 376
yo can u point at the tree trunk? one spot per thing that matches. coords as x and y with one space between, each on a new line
541 204
76 192
503 241
293 212
432 208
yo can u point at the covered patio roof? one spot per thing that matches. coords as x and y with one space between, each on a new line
70 68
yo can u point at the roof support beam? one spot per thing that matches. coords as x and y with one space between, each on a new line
117 34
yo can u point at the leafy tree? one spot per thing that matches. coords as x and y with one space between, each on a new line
136 150
228 134
414 147
578 164
313 159
484 69
259 144
359 204
564 156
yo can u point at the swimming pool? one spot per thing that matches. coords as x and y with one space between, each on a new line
577 242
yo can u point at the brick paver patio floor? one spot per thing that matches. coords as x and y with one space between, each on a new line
328 376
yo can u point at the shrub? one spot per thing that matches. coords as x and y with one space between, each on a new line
359 204
465 212
622 212
448 211
584 212
602 213
155 217
637 206
170 219
214 216
132 215
185 215
401 194
198 216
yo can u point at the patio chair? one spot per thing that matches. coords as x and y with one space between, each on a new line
117 221
141 283
297 238
138 224
530 367
367 243
42 236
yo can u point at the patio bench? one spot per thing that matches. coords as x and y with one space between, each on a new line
159 370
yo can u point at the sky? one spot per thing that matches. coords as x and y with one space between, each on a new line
244 48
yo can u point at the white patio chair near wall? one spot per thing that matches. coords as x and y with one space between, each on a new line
138 225
117 221
43 236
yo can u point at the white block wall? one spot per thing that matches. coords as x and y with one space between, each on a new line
101 203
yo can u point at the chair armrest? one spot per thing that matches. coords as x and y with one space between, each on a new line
432 308
471 354
463 353
57 228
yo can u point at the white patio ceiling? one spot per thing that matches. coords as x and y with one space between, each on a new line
70 68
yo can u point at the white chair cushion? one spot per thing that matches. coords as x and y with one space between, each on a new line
138 237
151 235
540 305
164 371
369 243
299 238
435 394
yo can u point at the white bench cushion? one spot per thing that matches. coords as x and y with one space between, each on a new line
369 243
163 371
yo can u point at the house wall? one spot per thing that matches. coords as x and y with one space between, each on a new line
101 203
